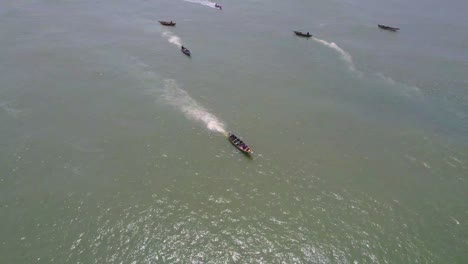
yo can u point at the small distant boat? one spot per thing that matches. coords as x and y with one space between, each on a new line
218 6
388 28
167 23
185 51
239 144
301 34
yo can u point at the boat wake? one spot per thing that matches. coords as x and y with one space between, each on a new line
5 106
179 98
344 54
172 94
202 2
405 89
172 38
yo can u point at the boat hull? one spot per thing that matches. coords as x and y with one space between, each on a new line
300 34
388 28
239 144
186 52
165 23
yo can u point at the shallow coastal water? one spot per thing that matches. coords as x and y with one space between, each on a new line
112 146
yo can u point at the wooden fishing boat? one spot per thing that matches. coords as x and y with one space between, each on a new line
185 51
388 28
167 23
239 144
301 34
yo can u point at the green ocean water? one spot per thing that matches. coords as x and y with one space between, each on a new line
112 146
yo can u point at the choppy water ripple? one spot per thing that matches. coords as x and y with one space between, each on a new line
339 227
353 133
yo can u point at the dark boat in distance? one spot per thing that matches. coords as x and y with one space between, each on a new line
239 144
394 29
167 23
220 7
301 34
185 51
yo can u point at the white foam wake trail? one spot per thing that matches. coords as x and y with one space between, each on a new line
172 38
5 106
191 108
406 89
344 54
202 2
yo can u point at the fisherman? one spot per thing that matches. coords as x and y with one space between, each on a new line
308 33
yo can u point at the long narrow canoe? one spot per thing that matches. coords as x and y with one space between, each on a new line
167 23
388 28
185 51
239 144
301 34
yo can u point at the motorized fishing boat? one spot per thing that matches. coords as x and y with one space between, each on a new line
388 28
239 144
218 6
185 51
167 23
301 34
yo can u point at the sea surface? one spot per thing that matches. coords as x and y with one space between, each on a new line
113 146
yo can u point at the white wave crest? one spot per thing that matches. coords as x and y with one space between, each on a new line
191 108
344 54
202 2
172 38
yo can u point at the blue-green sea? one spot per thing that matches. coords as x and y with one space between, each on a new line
113 146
